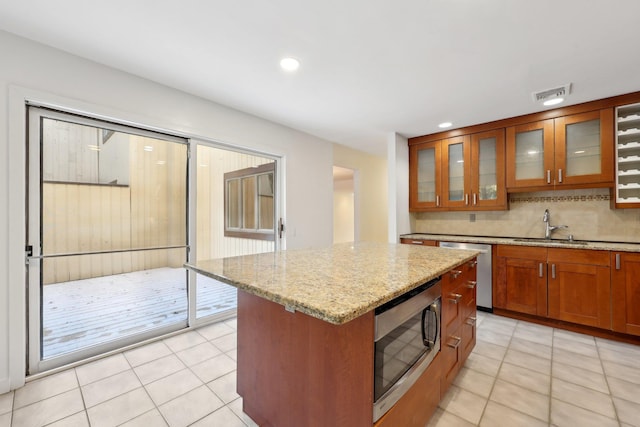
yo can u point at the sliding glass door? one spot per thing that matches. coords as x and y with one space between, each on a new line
107 235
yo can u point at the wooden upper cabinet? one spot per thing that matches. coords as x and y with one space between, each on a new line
456 176
566 152
530 155
584 148
488 187
425 178
459 173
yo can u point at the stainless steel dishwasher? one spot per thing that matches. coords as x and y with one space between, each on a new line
483 272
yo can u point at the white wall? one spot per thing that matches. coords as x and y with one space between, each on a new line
34 71
398 160
370 192
343 211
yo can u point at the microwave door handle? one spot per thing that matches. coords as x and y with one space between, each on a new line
427 342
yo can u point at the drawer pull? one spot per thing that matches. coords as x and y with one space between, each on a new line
417 242
455 342
455 273
455 298
471 321
473 263
471 284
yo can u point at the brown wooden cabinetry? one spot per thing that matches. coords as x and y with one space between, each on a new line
418 242
521 279
459 173
579 286
572 151
572 285
625 292
458 320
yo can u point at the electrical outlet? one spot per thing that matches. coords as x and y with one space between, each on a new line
472 217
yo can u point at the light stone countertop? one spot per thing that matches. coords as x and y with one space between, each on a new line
335 284
525 241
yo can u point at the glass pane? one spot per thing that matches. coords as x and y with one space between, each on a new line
249 202
233 203
488 180
214 297
427 175
265 201
583 148
89 300
530 155
456 172
149 210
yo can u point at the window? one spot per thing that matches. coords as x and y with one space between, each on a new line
249 202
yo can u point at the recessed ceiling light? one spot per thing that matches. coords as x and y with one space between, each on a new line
445 125
289 64
553 101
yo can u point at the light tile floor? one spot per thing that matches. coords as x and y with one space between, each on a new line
519 374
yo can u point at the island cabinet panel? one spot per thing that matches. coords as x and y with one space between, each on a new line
419 403
625 290
458 320
296 370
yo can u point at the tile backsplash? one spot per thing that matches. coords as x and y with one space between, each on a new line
586 212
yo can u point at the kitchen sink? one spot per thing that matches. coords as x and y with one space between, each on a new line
541 240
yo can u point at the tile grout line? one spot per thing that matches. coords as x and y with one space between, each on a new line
606 380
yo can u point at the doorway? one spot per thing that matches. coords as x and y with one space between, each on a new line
344 206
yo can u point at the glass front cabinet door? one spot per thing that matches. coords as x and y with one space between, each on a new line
488 188
457 172
584 148
425 176
569 151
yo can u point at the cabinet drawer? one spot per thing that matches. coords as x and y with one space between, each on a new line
420 242
578 256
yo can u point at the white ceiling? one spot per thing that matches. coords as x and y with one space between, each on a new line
368 67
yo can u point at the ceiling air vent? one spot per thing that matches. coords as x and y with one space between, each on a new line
556 92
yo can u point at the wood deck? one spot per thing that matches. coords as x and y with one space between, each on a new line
87 312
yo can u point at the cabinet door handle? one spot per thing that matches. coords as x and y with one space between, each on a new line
559 175
455 298
466 199
471 284
540 272
548 176
617 261
455 273
475 199
471 321
455 342
553 271
437 200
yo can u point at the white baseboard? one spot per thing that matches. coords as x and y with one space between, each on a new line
5 385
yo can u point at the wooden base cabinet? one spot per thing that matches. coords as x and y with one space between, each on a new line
572 285
625 292
579 287
458 320
521 279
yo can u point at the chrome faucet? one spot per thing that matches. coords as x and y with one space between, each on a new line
550 228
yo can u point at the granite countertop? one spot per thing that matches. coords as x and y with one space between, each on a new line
335 284
524 241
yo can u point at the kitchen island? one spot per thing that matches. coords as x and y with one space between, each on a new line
306 325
